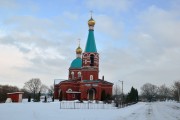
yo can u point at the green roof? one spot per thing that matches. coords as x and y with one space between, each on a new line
76 63
91 45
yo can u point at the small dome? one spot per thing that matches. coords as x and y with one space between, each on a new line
76 63
91 22
78 50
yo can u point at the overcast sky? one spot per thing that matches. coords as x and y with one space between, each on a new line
138 40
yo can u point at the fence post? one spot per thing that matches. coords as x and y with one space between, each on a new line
74 106
88 105
60 105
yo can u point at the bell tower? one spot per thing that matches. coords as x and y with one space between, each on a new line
90 57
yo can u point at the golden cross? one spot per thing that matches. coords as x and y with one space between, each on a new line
91 13
79 41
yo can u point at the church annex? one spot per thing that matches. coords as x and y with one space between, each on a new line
83 80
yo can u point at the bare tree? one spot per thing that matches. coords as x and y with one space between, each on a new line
44 89
176 90
164 92
33 86
117 90
149 91
117 93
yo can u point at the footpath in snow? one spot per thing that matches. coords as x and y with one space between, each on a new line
52 111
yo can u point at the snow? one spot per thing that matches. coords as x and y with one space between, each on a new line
52 111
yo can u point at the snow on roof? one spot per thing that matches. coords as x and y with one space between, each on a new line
16 93
57 81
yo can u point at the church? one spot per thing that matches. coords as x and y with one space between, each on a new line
83 81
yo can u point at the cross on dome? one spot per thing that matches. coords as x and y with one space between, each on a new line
79 40
79 50
91 13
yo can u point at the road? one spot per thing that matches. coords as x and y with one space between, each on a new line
153 111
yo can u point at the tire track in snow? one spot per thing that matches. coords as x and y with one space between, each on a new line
135 114
149 111
164 112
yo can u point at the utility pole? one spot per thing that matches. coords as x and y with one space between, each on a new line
178 94
122 91
122 85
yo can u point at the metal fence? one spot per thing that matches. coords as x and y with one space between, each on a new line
74 105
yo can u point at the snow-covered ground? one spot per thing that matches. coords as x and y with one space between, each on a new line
52 111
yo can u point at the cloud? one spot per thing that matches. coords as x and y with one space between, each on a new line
41 47
162 24
9 4
152 54
109 27
113 5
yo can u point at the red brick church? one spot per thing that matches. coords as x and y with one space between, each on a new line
83 81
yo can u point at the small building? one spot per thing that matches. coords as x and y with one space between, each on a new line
15 96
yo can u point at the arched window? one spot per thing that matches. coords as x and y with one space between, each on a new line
92 60
91 77
69 90
85 61
72 74
79 74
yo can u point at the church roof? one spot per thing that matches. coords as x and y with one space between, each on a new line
91 45
76 63
98 81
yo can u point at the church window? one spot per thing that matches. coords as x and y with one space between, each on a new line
72 74
85 61
91 60
91 77
79 74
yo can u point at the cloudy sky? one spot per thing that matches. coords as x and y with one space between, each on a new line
138 40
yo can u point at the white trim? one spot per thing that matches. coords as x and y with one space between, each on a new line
69 90
72 92
15 93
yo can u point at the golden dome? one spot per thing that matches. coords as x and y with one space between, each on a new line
91 22
78 50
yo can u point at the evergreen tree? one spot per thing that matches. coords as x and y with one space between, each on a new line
53 99
45 99
137 97
29 99
132 95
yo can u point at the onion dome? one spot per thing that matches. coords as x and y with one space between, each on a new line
78 50
91 22
76 63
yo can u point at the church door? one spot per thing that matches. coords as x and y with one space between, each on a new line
91 94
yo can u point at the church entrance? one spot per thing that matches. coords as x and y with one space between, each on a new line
91 94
